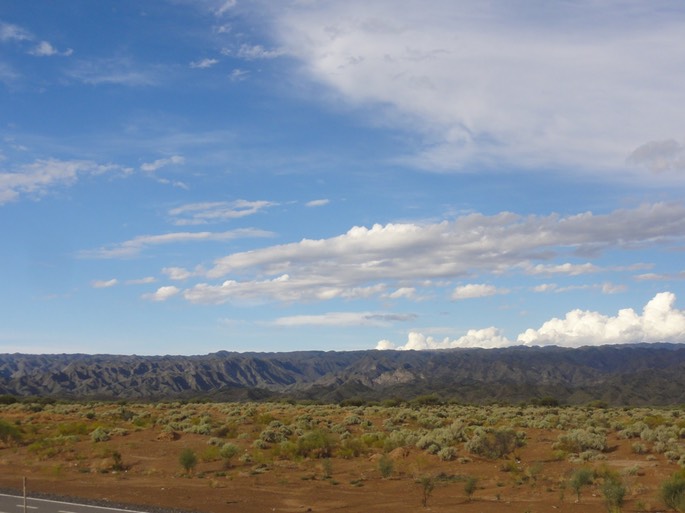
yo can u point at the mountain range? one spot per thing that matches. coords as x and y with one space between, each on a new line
638 374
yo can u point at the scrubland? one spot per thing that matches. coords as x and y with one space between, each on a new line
394 456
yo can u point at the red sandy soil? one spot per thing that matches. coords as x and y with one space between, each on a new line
154 477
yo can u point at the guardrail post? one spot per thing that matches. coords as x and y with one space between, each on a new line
24 482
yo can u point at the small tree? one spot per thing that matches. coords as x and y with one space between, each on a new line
385 465
427 486
580 478
614 492
187 459
470 487
227 452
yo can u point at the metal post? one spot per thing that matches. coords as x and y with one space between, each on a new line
24 494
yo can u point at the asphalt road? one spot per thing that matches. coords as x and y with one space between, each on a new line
15 504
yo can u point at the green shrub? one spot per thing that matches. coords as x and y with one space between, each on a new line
673 492
187 459
99 434
470 486
494 444
614 492
580 477
9 433
386 466
316 443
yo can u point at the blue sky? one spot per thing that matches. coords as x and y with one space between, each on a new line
183 177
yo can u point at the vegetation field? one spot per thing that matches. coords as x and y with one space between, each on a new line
400 457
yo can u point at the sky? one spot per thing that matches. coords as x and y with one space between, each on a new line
184 177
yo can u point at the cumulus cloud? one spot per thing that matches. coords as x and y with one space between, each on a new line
660 321
162 293
345 319
487 338
38 178
104 284
218 211
503 81
135 246
476 290
387 257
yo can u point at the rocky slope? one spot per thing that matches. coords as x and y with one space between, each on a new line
635 374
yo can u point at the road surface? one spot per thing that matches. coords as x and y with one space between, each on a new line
15 504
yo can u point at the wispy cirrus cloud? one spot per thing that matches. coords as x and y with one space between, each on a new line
203 63
345 319
116 71
133 247
502 82
40 177
216 211
104 284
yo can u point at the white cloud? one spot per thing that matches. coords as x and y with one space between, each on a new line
104 284
141 281
344 319
487 337
133 247
660 277
38 178
659 322
405 255
565 268
177 273
502 81
210 212
476 290
162 293
317 203
225 6
45 49
403 293
10 32
254 52
119 71
660 156
203 63
238 75
151 167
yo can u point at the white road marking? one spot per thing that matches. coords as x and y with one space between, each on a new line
72 504
27 507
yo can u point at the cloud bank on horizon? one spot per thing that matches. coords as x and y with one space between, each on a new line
660 321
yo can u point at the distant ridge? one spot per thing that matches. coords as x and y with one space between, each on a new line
635 374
